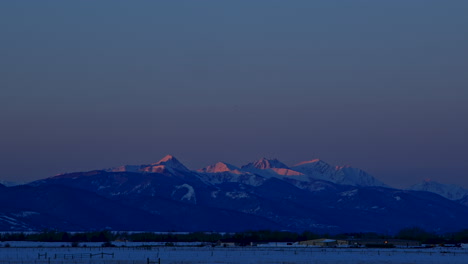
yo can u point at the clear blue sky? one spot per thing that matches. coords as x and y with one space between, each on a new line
380 85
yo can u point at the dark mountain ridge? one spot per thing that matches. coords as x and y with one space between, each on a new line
166 196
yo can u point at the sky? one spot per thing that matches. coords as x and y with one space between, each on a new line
379 85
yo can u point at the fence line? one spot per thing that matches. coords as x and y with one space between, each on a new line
305 250
81 255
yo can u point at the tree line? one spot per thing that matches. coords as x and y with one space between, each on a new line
412 233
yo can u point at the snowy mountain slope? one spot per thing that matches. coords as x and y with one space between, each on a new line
464 200
9 183
356 177
449 191
182 200
264 163
271 168
308 172
286 172
316 169
320 170
65 208
115 184
223 177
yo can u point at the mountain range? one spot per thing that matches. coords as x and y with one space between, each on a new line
265 194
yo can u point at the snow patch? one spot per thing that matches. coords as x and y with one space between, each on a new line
349 193
237 195
190 195
25 214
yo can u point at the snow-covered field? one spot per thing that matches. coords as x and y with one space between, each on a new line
229 255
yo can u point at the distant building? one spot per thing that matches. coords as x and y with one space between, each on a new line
271 244
225 244
323 242
383 242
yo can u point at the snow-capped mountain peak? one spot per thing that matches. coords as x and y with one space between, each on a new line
356 177
171 162
449 191
167 158
263 164
221 167
166 164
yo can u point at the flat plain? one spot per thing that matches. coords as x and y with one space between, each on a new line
95 254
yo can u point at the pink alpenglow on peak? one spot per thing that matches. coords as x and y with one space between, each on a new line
171 162
167 158
167 164
221 167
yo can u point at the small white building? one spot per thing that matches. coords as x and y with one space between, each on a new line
322 242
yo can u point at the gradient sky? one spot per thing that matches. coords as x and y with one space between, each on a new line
380 85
